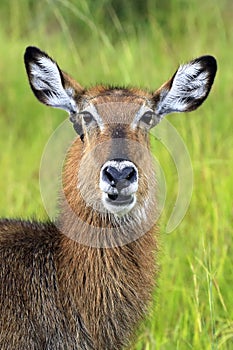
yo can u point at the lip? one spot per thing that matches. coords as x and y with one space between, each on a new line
119 200
120 205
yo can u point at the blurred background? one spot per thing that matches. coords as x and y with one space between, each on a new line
136 43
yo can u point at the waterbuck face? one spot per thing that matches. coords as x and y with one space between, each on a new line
115 165
115 140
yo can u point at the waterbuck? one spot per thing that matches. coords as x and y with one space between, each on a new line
85 280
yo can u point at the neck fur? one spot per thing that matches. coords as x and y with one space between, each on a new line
107 266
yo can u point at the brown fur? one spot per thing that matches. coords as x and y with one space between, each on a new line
85 281
118 280
56 288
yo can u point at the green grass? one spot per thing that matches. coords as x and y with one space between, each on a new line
105 41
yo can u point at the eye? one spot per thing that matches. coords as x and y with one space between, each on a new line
147 119
88 118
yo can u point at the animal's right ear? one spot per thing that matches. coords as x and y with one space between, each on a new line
50 85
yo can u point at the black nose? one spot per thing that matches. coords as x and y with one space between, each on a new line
119 178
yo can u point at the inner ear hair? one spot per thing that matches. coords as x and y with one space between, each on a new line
188 87
49 83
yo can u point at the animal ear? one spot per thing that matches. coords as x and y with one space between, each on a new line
50 85
188 87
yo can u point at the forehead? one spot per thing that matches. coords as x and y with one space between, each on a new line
118 112
117 105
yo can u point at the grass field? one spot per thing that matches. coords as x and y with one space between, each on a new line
111 42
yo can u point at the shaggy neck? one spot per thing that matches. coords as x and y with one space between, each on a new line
109 287
107 266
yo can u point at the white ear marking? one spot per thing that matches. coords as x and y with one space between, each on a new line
188 88
47 81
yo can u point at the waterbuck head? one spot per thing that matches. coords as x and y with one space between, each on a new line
110 167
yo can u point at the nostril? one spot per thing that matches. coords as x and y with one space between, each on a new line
108 174
131 174
119 175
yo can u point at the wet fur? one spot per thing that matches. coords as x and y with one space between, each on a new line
59 294
85 281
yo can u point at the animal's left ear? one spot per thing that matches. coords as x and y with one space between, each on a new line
188 87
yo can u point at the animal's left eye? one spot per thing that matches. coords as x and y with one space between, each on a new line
147 118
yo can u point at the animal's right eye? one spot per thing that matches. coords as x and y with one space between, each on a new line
88 118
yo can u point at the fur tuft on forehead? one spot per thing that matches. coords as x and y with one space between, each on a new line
116 93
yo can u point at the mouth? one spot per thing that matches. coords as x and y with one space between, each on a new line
118 199
118 204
